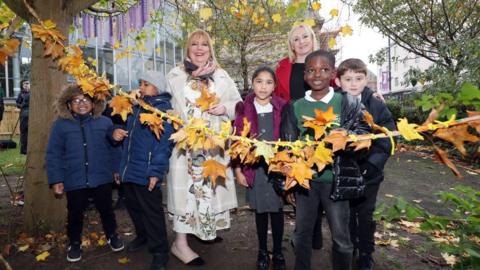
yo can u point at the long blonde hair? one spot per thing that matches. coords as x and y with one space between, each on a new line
199 33
291 53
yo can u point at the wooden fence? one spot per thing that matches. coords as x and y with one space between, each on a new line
10 118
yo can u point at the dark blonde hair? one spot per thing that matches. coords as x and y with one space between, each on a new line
353 64
199 33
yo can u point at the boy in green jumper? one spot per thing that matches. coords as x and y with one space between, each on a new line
319 71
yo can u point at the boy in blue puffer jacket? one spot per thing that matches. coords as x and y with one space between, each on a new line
143 166
80 162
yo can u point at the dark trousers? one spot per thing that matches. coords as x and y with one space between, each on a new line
362 225
146 211
337 214
23 134
77 202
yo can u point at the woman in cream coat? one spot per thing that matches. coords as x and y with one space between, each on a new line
197 207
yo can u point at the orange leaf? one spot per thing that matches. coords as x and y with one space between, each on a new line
433 115
206 99
474 124
155 123
301 172
318 129
246 127
213 170
8 49
442 156
457 135
369 119
361 144
180 138
321 157
338 139
325 116
121 105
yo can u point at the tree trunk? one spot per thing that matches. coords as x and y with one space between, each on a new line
244 70
42 210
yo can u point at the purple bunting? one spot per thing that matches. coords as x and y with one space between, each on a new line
95 30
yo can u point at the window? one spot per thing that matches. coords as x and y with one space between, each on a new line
396 81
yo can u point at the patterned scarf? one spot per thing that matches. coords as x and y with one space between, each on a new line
191 67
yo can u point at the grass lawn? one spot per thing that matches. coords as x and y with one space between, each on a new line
11 161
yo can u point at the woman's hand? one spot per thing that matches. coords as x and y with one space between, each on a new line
241 179
58 190
217 110
206 69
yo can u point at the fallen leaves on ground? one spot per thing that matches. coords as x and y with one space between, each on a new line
42 256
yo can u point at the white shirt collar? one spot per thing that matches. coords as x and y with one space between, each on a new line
263 108
325 99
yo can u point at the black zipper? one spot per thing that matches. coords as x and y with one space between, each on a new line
85 152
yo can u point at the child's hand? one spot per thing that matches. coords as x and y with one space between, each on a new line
119 134
241 179
217 109
116 178
58 189
153 182
290 197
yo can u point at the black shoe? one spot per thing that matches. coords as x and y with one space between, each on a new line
159 261
116 244
263 260
74 253
279 262
365 261
136 244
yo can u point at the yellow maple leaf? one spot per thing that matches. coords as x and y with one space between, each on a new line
179 138
265 150
206 99
49 24
408 130
346 30
123 260
332 42
321 157
301 172
334 12
42 256
3 25
338 139
23 248
154 122
276 18
121 105
205 13
213 170
316 6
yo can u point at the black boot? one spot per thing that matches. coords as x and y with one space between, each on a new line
279 262
365 261
159 261
136 244
263 260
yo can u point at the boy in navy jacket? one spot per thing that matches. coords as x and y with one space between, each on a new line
352 78
80 162
143 166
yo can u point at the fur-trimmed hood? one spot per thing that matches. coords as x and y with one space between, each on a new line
61 107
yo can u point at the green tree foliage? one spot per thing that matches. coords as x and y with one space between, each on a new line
445 32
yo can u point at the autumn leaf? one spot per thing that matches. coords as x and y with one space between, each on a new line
450 259
239 149
457 135
301 173
338 139
205 13
334 12
321 157
42 256
246 127
276 18
23 248
121 105
7 49
179 138
206 99
361 144
433 115
332 42
154 122
213 170
123 260
316 6
319 130
265 150
325 116
346 30
474 124
442 156
408 130
54 49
